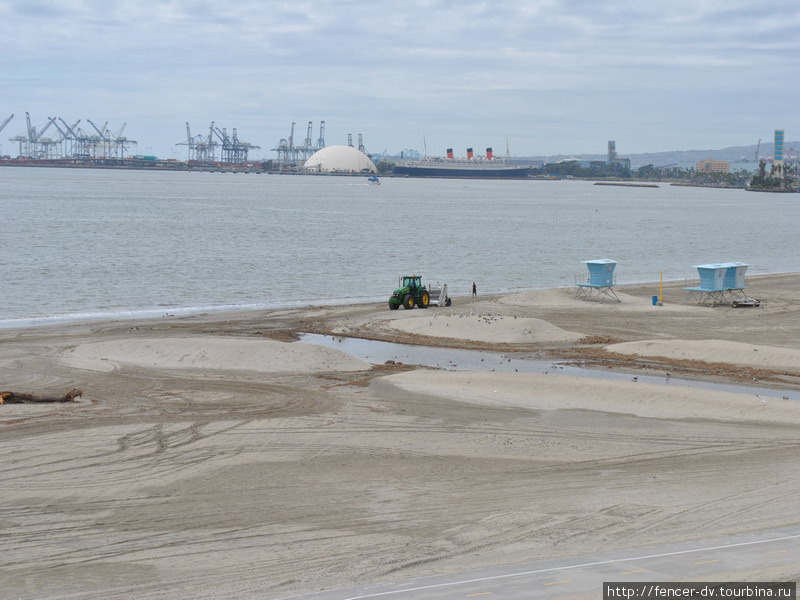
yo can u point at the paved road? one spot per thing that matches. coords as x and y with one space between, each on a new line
582 577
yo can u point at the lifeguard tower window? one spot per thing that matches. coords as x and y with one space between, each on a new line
720 283
599 281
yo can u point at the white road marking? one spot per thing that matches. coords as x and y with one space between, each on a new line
579 566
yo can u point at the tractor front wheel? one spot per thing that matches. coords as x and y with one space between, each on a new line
408 301
393 306
424 300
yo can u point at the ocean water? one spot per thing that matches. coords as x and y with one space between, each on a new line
108 243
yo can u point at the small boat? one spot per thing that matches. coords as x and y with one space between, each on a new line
374 180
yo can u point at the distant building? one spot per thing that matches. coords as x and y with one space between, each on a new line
340 159
777 163
778 145
613 157
712 166
612 150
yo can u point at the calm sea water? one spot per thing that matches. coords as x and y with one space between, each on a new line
93 243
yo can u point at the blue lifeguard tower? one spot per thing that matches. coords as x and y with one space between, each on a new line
721 283
599 281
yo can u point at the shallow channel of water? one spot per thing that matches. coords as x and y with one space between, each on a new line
456 359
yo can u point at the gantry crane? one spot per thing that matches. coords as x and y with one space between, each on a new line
234 151
321 140
4 123
201 149
73 149
102 140
33 145
288 152
307 146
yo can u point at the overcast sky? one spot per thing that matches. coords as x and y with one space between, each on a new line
544 76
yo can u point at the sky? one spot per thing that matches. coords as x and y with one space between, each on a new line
539 77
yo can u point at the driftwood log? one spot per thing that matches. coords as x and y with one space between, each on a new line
15 398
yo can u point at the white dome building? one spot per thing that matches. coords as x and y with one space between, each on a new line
340 159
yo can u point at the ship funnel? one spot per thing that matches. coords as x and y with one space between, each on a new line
449 153
469 153
489 154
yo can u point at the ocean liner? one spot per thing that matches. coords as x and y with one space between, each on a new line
472 167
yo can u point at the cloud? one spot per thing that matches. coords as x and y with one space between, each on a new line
556 72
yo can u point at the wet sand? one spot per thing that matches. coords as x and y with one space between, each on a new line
210 455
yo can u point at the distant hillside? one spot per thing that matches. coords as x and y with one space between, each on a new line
740 157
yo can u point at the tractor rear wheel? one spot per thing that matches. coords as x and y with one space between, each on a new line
408 301
424 300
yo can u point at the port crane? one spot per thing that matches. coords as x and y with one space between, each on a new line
233 150
117 143
71 141
288 152
101 140
74 149
67 137
202 149
308 148
285 148
4 123
34 145
321 140
308 144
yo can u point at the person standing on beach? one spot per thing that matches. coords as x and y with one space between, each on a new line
474 290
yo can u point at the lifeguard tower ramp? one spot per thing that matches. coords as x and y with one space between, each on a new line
720 283
599 281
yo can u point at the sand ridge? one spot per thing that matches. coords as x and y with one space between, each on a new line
262 355
717 351
486 328
561 392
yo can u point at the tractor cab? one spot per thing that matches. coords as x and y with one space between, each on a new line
410 281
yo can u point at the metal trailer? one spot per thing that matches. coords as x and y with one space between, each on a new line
746 301
438 294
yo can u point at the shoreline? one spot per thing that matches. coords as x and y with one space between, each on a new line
222 310
581 338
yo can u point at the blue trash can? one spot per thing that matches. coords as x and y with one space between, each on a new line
655 300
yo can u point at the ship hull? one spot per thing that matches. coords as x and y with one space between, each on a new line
459 172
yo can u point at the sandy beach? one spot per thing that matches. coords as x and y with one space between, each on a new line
214 455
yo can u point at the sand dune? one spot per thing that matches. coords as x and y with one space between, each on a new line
552 392
265 356
723 351
489 329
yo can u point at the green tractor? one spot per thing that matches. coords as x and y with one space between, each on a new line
410 293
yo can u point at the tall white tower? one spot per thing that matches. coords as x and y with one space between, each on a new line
777 162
